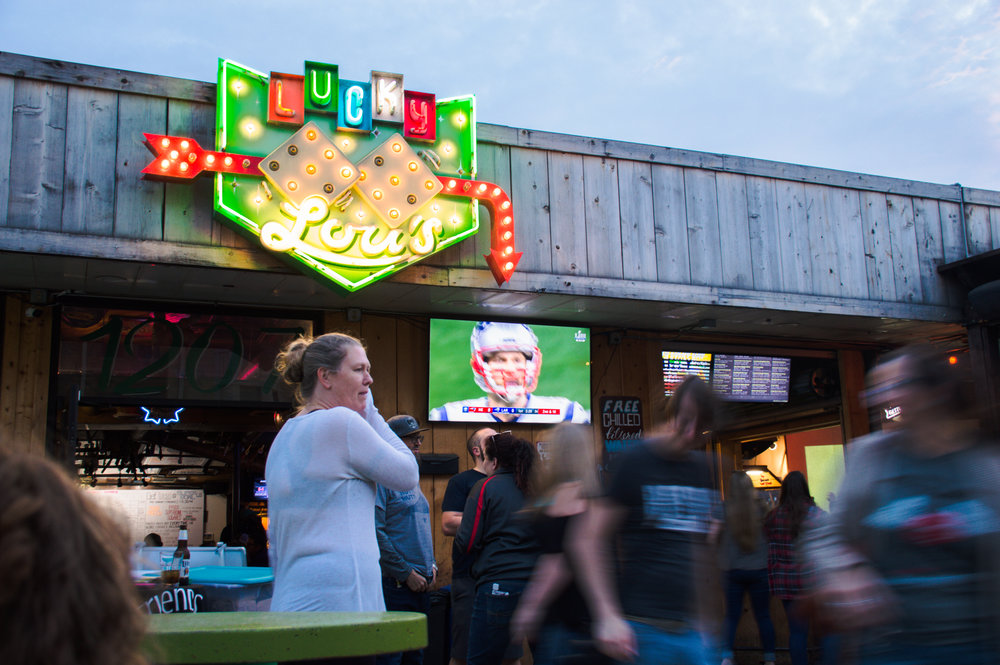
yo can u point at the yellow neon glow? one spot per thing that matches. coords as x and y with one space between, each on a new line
311 135
292 185
436 207
237 86
310 169
394 180
459 119
447 148
377 195
396 147
412 166
430 184
394 213
347 172
328 153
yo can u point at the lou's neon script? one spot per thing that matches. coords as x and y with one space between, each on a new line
355 180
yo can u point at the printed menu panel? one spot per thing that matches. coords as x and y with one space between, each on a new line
160 511
678 364
743 378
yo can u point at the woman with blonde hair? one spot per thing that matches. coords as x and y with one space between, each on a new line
67 596
744 559
321 475
552 609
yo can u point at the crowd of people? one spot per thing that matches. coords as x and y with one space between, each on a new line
905 567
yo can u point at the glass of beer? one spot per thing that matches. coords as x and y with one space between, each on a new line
170 572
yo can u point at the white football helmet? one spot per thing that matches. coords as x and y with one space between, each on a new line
489 338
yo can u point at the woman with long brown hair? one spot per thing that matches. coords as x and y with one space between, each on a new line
500 537
744 560
67 596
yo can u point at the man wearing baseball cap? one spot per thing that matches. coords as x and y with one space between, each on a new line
403 527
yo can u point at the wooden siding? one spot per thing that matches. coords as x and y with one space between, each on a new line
584 208
24 378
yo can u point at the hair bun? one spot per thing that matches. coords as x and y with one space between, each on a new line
289 362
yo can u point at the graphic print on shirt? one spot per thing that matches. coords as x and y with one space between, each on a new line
676 508
918 523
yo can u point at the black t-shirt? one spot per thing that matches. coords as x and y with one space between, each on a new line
670 504
569 607
454 501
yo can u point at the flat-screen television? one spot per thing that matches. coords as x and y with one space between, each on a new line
495 371
734 377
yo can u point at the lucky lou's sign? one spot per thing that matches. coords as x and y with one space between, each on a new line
355 180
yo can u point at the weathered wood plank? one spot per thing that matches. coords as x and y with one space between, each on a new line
91 133
635 201
608 358
994 226
9 385
765 240
6 141
903 241
37 156
793 234
878 254
952 231
493 164
673 261
530 194
568 214
822 244
71 73
603 218
930 250
39 330
734 230
714 161
139 202
845 218
187 210
977 224
703 227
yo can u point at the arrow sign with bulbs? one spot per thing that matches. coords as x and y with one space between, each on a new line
353 179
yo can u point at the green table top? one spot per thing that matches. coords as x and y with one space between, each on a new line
253 637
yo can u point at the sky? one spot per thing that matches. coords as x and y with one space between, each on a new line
901 88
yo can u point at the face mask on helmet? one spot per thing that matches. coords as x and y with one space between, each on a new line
506 359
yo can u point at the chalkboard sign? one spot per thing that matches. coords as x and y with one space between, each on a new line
161 511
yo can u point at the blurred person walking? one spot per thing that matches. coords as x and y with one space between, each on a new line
786 574
661 502
910 557
743 551
500 537
552 612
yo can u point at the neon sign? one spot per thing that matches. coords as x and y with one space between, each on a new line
355 180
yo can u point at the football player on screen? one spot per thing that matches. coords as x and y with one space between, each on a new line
506 363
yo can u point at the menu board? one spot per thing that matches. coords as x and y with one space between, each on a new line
742 378
678 364
159 511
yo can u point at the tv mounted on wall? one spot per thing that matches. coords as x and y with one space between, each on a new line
494 371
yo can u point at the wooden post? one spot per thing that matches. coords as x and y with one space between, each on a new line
24 391
852 383
984 356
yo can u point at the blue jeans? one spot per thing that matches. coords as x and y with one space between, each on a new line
798 634
399 598
559 645
489 627
753 582
656 646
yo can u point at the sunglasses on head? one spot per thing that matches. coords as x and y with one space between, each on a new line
502 437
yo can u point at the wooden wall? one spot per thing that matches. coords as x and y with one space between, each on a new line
24 377
731 229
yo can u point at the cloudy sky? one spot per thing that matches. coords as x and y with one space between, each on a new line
901 88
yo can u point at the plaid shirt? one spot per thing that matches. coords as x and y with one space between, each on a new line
784 573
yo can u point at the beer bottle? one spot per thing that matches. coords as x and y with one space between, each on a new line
182 555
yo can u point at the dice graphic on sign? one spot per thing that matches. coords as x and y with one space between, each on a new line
307 164
395 181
